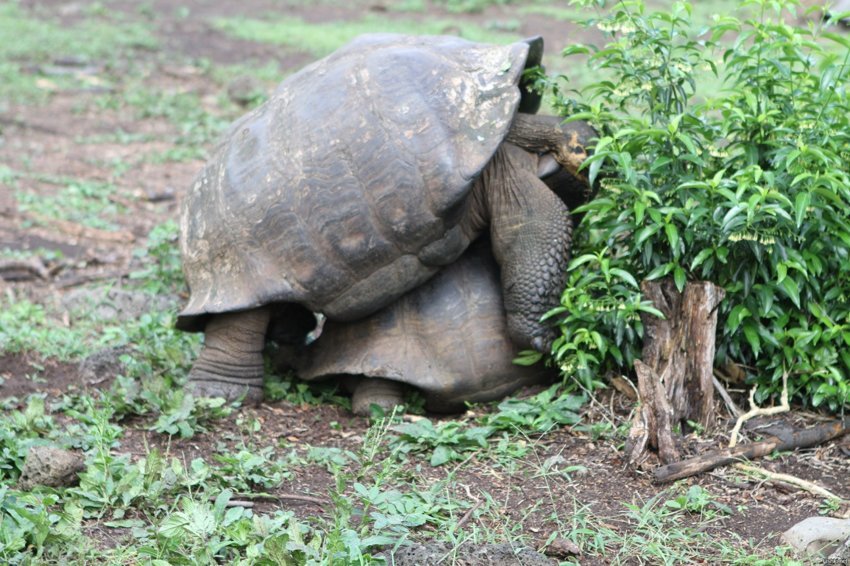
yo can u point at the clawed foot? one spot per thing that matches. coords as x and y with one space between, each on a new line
252 390
384 393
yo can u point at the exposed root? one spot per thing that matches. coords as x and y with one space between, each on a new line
756 411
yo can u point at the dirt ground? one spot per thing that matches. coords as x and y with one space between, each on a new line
46 139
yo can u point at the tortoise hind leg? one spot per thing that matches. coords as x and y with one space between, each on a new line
369 391
231 362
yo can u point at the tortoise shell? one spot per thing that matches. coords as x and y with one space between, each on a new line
346 188
448 338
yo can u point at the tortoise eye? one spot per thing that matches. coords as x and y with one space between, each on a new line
579 150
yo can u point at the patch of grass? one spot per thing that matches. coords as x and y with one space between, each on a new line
81 201
198 126
322 38
27 41
451 440
558 12
470 6
26 327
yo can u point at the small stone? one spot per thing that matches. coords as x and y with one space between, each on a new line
245 90
50 466
162 195
103 365
562 548
817 535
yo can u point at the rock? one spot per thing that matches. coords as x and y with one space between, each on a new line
817 535
102 365
246 90
563 549
467 555
50 466
842 555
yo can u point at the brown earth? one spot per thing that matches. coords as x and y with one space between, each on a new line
45 139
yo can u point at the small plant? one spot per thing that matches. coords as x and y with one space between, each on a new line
446 441
247 469
698 500
538 414
162 270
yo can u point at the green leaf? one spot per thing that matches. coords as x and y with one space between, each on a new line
646 232
527 358
680 278
752 336
625 276
701 257
672 237
792 290
801 204
441 455
738 314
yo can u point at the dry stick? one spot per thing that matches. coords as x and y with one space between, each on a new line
35 267
468 514
793 480
710 460
279 497
800 439
730 404
754 411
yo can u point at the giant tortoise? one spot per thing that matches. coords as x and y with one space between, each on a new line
447 338
361 177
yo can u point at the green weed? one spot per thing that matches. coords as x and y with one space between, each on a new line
26 327
322 38
80 201
27 40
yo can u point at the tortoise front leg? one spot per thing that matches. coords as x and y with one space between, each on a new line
231 362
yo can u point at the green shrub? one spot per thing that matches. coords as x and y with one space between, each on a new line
724 155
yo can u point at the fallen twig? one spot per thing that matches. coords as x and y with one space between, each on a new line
82 279
730 404
793 480
32 266
468 514
710 460
245 499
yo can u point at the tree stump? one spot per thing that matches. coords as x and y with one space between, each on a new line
675 376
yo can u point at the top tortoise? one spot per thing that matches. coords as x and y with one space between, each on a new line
361 177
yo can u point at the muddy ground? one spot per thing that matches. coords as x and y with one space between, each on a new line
83 134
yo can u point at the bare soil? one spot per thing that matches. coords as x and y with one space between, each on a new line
45 139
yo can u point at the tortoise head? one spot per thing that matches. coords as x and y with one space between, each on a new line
575 147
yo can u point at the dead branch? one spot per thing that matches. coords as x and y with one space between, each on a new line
468 514
730 404
786 478
710 460
84 278
34 267
278 497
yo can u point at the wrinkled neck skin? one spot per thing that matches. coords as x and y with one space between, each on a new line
530 233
